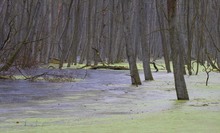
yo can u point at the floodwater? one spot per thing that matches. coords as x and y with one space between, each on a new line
100 87
102 93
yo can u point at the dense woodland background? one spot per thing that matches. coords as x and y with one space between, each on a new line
74 30
187 32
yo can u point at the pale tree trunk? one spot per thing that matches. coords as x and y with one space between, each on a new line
75 38
89 34
190 22
144 44
83 41
95 47
177 59
201 35
135 78
63 36
110 32
49 31
218 38
161 21
189 37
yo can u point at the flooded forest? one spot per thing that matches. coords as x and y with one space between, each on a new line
110 66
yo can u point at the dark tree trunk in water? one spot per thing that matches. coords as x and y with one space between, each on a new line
135 78
177 59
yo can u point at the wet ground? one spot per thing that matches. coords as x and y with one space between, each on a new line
102 94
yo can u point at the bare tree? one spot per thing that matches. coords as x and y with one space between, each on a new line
25 39
177 59
144 45
161 16
135 78
76 37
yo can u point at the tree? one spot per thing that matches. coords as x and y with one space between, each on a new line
161 21
28 34
177 59
75 37
144 45
135 78
34 31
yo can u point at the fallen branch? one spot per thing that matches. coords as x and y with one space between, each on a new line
6 77
21 72
110 67
32 78
84 66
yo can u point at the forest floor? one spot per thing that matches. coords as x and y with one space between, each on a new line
103 101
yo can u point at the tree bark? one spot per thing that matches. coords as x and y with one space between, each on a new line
177 59
144 44
163 37
75 38
135 78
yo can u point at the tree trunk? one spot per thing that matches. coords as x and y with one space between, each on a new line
190 39
218 37
64 35
163 37
75 39
135 78
144 44
177 59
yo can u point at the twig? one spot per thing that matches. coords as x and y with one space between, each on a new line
32 78
212 64
21 72
207 70
154 64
